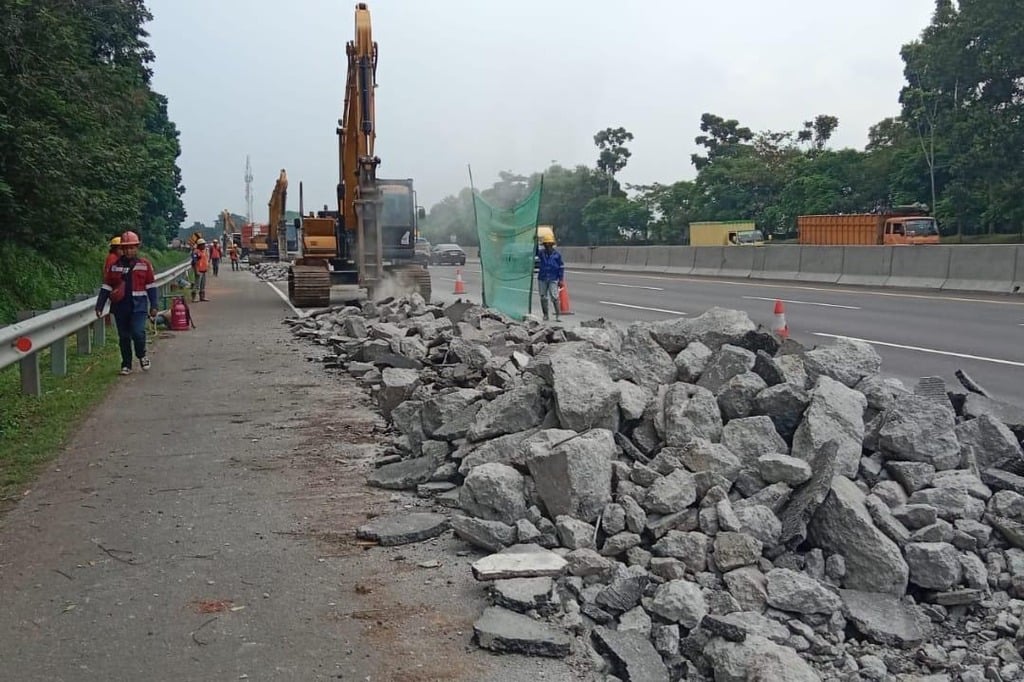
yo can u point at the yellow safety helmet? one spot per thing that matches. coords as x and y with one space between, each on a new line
116 241
547 239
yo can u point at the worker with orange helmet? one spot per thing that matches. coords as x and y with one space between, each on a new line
130 287
550 274
114 255
200 266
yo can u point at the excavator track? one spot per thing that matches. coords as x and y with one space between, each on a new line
414 278
309 286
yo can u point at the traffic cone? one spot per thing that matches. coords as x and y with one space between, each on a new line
460 286
780 327
563 300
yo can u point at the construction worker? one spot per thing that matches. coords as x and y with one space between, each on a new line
233 255
215 254
130 286
550 274
200 265
113 255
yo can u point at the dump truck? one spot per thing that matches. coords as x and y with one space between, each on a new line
725 233
905 225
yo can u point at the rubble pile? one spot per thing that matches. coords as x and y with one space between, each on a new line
692 499
270 272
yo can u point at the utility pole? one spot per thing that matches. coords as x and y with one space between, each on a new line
248 190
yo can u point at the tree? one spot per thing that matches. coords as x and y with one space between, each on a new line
614 155
721 138
818 131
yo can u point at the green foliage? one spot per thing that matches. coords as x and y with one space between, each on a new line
86 147
30 280
614 155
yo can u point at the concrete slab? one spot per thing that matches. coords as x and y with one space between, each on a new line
519 561
403 528
506 631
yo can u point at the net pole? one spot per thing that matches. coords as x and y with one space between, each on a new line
479 241
536 229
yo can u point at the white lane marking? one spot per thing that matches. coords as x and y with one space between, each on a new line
629 286
933 351
786 300
767 284
640 307
284 297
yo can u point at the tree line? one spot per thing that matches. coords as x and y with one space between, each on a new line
957 145
86 146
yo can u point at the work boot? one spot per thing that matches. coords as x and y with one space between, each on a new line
144 362
125 371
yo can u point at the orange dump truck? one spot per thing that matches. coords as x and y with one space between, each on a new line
868 229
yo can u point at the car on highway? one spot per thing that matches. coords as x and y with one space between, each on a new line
447 254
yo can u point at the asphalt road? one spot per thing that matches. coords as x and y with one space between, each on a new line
917 333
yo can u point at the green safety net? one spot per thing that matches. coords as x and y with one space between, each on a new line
508 238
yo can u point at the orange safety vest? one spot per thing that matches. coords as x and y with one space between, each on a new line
215 252
202 261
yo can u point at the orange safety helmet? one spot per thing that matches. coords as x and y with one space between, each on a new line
129 238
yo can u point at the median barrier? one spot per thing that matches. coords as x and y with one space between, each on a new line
680 259
576 256
780 261
738 261
636 257
657 259
820 264
1018 277
472 252
707 260
609 257
920 267
981 267
866 265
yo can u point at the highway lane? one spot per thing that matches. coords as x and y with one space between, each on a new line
917 333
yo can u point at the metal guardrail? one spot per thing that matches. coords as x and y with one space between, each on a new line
23 341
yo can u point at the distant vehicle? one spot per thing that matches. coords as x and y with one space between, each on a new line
749 238
422 251
900 226
720 233
447 254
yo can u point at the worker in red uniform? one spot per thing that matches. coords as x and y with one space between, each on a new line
114 255
130 286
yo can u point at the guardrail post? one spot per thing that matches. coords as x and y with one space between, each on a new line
99 332
84 341
31 383
59 349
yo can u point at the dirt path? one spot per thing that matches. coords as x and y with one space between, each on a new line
200 526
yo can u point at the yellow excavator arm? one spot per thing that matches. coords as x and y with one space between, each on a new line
275 220
357 134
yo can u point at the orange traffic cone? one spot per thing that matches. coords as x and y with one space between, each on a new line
780 327
563 299
460 286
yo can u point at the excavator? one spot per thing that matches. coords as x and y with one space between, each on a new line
231 233
271 245
370 240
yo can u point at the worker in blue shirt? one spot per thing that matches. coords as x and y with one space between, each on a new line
550 275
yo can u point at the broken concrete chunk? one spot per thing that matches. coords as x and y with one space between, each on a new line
689 412
775 468
882 618
575 477
915 429
519 561
680 601
633 653
585 396
404 475
691 361
489 535
525 594
846 361
494 492
727 363
799 593
836 414
401 529
502 630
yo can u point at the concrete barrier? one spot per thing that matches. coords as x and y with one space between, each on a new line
780 261
610 257
866 265
636 257
1018 277
987 267
707 260
680 259
920 267
472 252
657 259
576 256
820 264
738 261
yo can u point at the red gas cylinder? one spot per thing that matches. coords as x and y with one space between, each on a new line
179 315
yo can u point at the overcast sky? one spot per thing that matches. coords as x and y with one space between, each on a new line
508 84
